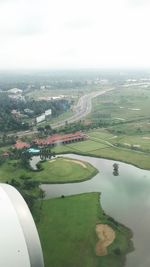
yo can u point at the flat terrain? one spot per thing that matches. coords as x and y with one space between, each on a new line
68 235
103 144
122 132
59 170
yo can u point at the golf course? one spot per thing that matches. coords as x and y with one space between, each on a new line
69 236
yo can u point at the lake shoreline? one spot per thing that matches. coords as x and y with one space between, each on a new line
83 212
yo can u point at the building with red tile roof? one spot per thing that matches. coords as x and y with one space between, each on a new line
53 140
20 145
63 139
6 154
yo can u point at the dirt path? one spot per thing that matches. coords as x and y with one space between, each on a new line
106 236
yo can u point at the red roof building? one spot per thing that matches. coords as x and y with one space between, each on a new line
57 138
20 145
6 154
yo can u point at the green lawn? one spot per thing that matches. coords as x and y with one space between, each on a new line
88 145
136 158
12 170
68 237
101 142
61 170
56 171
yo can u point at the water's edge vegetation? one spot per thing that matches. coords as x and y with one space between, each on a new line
67 228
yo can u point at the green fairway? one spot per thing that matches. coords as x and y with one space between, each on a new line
101 143
68 237
60 170
87 146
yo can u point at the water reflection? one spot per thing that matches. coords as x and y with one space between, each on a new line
125 197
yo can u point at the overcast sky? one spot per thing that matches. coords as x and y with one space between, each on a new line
74 33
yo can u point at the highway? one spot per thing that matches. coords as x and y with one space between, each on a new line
82 109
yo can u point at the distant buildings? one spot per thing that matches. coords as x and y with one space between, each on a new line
60 139
15 91
49 98
53 140
40 118
20 145
44 116
16 113
28 111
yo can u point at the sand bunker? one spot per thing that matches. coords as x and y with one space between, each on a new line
78 162
106 236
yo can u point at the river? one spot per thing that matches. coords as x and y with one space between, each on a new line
125 197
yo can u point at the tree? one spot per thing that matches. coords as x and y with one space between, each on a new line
116 168
48 129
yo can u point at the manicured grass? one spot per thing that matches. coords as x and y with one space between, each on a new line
61 170
88 145
100 144
143 141
58 171
136 158
101 134
68 237
12 170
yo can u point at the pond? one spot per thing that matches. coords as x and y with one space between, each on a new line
125 197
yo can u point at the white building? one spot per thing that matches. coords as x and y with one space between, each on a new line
40 118
48 112
15 91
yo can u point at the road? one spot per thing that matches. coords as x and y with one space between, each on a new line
82 109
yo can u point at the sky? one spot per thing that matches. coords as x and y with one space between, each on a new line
51 34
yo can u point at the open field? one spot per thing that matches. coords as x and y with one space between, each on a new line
62 170
10 169
68 235
122 108
101 143
126 136
36 94
58 171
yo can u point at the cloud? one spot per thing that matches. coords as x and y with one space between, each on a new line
18 18
138 3
79 24
47 33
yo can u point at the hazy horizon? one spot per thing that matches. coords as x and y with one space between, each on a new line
46 34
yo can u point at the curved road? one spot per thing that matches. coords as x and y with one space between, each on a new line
83 107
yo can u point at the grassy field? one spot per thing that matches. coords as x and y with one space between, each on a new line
63 170
102 143
58 171
12 170
68 237
52 93
125 109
